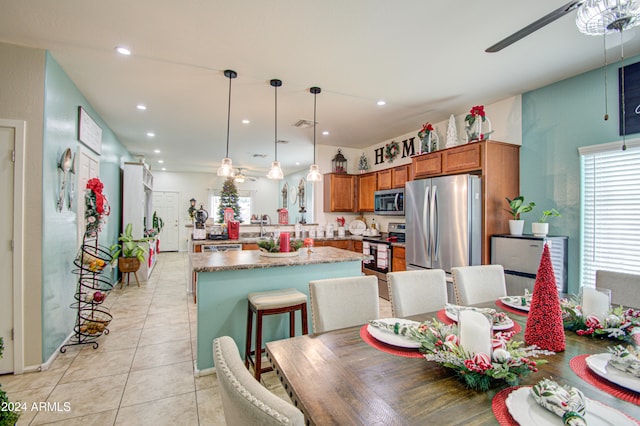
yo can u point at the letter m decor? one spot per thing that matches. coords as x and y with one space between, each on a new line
407 147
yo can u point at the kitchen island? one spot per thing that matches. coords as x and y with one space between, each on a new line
225 279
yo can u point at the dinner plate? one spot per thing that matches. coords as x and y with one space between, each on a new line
504 326
357 227
515 302
527 412
598 364
390 337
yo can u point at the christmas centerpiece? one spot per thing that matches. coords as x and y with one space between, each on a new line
473 124
96 206
428 138
508 362
618 324
391 151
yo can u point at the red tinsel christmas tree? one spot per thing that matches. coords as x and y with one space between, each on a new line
544 323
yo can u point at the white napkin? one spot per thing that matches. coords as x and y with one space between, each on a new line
625 359
566 402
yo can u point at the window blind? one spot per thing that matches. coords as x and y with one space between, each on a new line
610 211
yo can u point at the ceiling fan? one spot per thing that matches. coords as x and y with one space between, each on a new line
239 177
595 17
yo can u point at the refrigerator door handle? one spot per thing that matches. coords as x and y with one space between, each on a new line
426 237
435 229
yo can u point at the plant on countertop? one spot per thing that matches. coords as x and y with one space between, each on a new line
128 246
547 214
8 415
273 246
439 343
517 207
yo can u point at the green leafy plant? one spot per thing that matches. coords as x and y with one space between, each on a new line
158 223
518 207
546 214
128 246
8 417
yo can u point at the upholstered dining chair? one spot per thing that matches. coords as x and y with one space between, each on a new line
625 288
478 284
416 292
343 302
244 400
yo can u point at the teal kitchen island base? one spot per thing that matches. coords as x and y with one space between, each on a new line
224 279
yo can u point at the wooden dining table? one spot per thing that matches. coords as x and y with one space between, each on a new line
336 378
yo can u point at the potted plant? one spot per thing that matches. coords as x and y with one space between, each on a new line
8 413
541 227
516 208
129 252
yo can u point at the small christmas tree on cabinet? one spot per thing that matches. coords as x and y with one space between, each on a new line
229 198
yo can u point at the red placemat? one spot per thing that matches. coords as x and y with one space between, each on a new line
499 407
442 316
390 349
502 306
579 366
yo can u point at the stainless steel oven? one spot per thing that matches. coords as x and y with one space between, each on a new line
381 248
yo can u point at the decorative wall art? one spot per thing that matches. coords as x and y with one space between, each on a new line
89 133
631 96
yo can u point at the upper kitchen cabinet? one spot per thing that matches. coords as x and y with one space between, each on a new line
340 192
497 163
367 186
400 176
384 179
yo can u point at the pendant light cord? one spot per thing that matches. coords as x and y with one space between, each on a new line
276 121
230 75
314 126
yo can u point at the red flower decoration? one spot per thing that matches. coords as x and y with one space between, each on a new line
477 110
545 328
426 128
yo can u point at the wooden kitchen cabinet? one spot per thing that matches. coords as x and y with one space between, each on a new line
398 261
357 246
250 246
340 192
367 185
427 165
384 179
341 244
498 165
400 176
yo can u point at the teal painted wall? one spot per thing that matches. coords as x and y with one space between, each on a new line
59 246
556 121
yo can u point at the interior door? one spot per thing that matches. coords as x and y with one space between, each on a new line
166 205
7 144
87 167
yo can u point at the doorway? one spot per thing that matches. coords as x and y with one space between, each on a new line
166 206
12 145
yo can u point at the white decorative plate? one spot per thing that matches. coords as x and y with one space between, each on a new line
524 410
357 227
504 326
515 302
390 337
598 364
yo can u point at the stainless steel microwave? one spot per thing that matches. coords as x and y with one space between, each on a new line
389 202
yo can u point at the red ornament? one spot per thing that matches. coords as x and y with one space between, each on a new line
544 323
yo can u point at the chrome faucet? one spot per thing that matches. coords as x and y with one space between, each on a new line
262 216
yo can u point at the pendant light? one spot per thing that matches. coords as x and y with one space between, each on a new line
314 171
226 168
276 172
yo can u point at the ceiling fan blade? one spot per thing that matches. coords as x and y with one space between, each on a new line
534 26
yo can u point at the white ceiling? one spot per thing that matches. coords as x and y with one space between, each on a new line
426 59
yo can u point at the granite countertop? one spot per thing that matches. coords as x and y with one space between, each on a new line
251 259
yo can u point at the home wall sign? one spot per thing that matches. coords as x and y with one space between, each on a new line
407 149
631 99
89 133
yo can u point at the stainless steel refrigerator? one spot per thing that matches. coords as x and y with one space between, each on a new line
443 223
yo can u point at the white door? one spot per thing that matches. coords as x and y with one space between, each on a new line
166 205
87 166
7 144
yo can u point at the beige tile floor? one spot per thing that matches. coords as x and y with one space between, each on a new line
142 372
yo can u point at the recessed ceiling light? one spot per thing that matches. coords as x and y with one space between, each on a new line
157 151
245 121
123 50
151 134
141 107
326 132
381 102
163 169
160 161
297 163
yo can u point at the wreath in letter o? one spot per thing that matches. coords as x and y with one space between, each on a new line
391 151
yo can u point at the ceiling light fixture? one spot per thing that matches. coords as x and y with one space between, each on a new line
381 103
157 151
245 121
314 171
226 168
151 134
602 17
141 107
276 171
123 50
238 177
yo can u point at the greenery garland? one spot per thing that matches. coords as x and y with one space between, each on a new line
619 324
391 151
